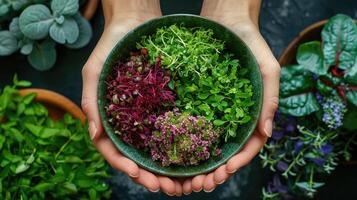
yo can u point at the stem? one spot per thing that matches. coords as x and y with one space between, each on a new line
285 174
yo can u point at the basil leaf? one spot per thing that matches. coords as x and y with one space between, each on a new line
340 41
65 7
310 56
66 32
35 21
8 43
294 80
43 56
299 105
85 34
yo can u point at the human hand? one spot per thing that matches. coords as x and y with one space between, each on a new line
120 17
241 16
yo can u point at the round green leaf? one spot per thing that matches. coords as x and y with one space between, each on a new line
8 43
65 7
340 41
43 56
352 97
14 28
310 56
35 21
27 49
85 33
4 9
66 32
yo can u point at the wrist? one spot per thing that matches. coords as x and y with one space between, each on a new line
124 9
242 10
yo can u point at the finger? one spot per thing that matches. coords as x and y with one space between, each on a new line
187 186
197 182
115 158
270 70
220 175
148 180
167 185
178 188
252 148
209 185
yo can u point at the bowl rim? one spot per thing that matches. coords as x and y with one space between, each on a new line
221 161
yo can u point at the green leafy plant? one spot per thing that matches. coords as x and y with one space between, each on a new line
208 82
316 123
45 159
39 26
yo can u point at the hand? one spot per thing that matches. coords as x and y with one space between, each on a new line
241 16
120 17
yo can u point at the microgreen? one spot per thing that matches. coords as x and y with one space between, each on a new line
45 159
208 81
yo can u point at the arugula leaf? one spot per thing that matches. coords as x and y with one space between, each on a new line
339 36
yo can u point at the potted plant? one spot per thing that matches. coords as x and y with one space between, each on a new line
315 127
34 27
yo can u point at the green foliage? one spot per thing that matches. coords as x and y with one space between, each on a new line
45 159
332 64
209 83
340 41
57 20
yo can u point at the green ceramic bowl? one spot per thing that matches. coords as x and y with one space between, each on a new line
233 44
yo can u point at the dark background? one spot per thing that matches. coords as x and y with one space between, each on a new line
280 22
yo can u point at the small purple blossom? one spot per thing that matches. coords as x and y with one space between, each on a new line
282 166
298 146
326 149
318 161
334 109
277 135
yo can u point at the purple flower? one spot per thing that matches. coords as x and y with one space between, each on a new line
282 166
318 161
326 149
290 127
298 146
276 185
277 135
334 110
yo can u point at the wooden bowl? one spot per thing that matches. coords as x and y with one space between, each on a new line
56 104
89 9
288 57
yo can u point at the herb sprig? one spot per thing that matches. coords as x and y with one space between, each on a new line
45 159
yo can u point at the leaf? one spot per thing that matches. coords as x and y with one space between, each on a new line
21 167
4 10
42 187
2 141
339 37
86 33
351 75
43 56
352 96
349 120
67 32
8 43
65 7
311 57
27 49
299 105
218 122
295 80
35 21
70 187
14 28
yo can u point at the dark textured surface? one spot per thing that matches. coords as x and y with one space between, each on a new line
280 22
234 46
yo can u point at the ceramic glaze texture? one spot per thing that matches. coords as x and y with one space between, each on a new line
233 45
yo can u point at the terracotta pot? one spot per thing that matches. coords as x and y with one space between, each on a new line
89 9
288 57
56 104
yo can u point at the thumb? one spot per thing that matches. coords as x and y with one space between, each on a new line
90 75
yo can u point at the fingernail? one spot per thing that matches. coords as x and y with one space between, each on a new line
154 191
134 175
268 127
221 182
232 172
169 194
92 130
186 193
197 190
208 191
